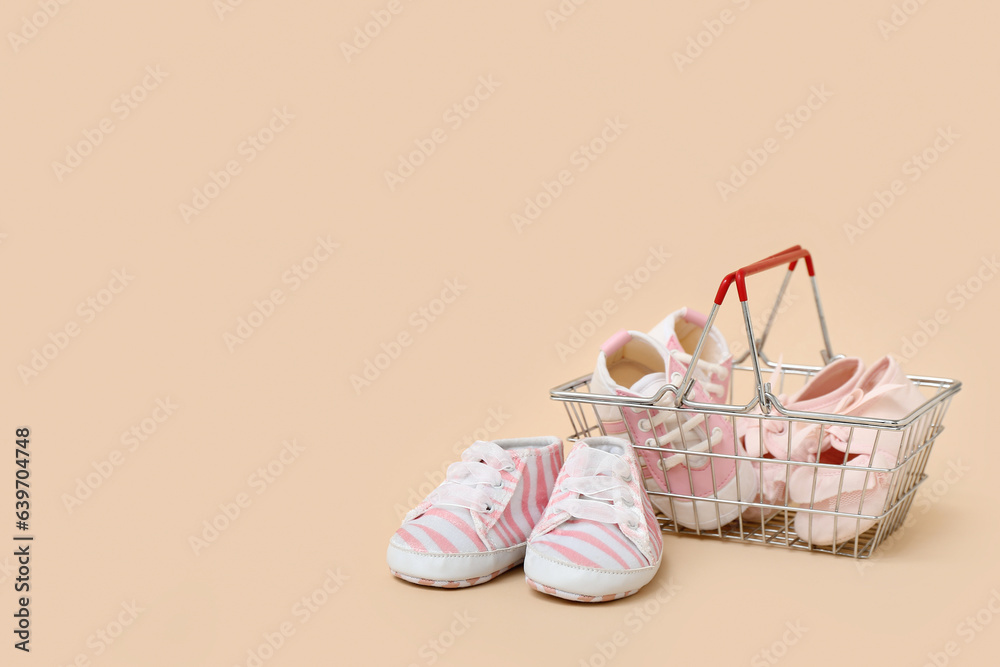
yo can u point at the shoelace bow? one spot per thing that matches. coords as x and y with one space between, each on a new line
774 427
840 435
468 483
835 435
598 478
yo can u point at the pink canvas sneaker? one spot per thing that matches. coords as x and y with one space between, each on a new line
475 525
884 392
679 333
637 365
793 441
598 539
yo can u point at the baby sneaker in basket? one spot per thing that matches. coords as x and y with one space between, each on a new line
598 539
679 333
883 392
475 525
793 441
636 364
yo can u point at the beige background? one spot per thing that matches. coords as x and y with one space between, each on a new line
333 507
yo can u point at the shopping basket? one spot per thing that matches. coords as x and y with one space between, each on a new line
778 523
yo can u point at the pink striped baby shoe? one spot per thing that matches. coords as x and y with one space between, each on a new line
475 525
598 539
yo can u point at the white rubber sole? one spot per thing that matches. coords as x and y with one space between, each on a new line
420 567
583 584
576 597
708 515
451 583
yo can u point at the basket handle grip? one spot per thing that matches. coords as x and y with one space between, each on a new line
791 256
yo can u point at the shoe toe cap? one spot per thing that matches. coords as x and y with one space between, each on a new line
457 566
544 567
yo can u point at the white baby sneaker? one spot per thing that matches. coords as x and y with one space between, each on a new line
635 364
598 539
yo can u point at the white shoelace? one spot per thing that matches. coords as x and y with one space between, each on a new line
707 369
679 436
599 478
675 442
472 482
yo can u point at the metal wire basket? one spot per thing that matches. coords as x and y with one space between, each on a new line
774 523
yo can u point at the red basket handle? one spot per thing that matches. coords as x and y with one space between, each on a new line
791 256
